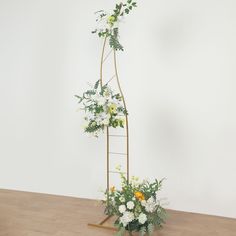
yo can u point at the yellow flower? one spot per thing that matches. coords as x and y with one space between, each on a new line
118 167
139 196
113 189
111 20
112 108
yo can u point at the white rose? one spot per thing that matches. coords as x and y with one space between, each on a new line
130 205
142 218
122 208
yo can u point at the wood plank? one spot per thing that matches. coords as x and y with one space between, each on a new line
34 214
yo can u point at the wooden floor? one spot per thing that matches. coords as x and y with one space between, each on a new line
32 214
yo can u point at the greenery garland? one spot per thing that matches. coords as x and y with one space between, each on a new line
108 23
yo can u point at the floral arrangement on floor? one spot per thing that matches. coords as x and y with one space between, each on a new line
103 108
108 24
136 206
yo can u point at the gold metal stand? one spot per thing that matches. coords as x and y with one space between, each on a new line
108 135
102 226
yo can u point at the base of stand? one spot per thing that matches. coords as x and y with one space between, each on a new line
102 226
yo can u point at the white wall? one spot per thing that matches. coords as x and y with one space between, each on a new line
178 74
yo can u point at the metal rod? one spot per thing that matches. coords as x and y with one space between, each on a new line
117 135
126 116
103 226
106 219
108 54
108 161
101 64
118 153
118 172
111 79
107 130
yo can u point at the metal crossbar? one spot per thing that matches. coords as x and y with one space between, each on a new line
118 153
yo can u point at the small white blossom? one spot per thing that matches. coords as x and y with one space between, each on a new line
122 199
122 208
106 121
142 218
101 101
130 205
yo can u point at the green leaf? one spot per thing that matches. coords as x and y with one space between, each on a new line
127 11
80 98
96 84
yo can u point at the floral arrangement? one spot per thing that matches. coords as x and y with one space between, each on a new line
136 206
108 24
103 108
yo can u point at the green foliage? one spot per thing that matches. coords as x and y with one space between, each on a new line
114 42
110 22
121 232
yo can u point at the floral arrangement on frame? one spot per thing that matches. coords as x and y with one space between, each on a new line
103 108
136 206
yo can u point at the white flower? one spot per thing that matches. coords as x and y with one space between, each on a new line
151 200
143 203
90 116
150 205
122 208
106 121
101 101
130 205
142 218
122 199
126 218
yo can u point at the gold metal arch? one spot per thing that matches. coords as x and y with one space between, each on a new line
108 135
